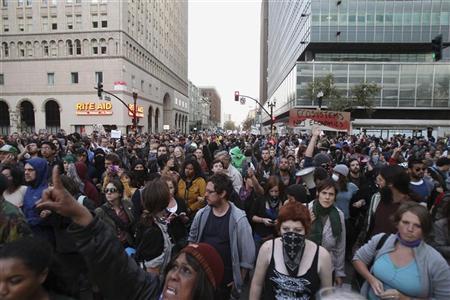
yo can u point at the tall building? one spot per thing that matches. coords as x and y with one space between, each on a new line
53 53
386 42
198 109
215 109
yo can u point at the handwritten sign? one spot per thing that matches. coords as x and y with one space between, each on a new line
328 120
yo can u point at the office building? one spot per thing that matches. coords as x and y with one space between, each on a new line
215 110
53 53
385 42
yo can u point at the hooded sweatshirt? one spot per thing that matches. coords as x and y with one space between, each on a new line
34 191
89 189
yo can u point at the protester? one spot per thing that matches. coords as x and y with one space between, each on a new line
328 226
191 187
117 213
404 266
15 192
194 270
291 266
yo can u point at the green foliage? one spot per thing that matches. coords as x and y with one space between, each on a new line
229 125
362 95
247 124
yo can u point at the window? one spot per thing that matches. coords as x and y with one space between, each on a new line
133 79
29 2
104 24
21 27
70 22
19 3
78 22
6 28
44 24
5 3
95 50
29 24
69 47
98 77
94 24
74 77
2 79
54 26
142 85
103 50
44 2
50 78
5 49
78 47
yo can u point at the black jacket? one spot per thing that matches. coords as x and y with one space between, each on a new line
111 269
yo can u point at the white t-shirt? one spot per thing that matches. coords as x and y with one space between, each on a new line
16 198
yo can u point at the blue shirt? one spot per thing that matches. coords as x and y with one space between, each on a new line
343 199
405 279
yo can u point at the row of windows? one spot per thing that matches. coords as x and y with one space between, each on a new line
59 48
21 3
74 79
52 24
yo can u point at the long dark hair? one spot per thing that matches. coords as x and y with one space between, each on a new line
155 198
398 178
203 288
17 177
195 164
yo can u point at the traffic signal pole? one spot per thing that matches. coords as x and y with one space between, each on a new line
100 90
271 105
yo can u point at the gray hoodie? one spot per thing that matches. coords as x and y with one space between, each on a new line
241 239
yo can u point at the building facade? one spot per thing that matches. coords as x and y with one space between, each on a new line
385 42
215 109
198 110
53 54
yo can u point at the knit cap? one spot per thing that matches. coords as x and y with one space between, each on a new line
209 259
341 169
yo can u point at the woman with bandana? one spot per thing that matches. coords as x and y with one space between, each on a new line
402 265
291 266
328 226
264 211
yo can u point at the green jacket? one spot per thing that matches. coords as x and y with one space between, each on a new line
12 222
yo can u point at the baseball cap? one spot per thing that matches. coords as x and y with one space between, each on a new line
9 149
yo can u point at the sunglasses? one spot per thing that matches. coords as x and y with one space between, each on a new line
111 190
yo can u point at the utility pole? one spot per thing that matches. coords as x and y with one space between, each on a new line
272 119
135 95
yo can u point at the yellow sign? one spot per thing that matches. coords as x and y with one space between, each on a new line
139 111
93 108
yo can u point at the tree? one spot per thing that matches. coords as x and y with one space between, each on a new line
229 125
247 124
363 95
331 95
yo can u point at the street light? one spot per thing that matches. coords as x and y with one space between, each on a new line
271 105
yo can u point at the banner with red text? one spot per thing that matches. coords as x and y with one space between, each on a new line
328 120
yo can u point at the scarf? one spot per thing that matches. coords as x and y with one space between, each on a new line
317 227
293 248
412 244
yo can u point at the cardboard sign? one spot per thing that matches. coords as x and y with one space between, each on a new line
166 127
116 134
328 120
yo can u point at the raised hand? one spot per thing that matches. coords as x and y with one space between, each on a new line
59 200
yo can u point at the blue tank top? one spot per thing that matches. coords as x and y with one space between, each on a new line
405 279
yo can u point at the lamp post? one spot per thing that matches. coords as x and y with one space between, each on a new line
271 105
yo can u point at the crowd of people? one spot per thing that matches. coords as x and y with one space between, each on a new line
223 216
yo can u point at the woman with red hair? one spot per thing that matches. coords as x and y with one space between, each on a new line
291 266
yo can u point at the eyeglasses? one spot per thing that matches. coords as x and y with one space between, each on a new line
111 190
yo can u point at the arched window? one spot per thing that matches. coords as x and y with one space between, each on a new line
29 49
77 47
94 46
157 120
52 116
53 48
27 116
4 118
5 49
20 49
45 51
69 47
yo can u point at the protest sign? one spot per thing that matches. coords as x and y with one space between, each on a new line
328 120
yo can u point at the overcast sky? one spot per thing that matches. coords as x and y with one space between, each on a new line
224 50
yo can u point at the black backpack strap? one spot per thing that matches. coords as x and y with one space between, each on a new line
381 241
119 223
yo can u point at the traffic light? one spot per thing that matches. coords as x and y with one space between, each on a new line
436 46
99 89
236 96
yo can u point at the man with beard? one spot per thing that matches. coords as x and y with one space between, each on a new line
225 227
422 188
36 171
31 150
286 177
266 167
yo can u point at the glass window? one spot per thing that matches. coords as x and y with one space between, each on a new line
424 85
103 49
98 77
2 79
74 77
50 78
441 97
104 24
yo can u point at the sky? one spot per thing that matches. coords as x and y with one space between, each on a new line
224 39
